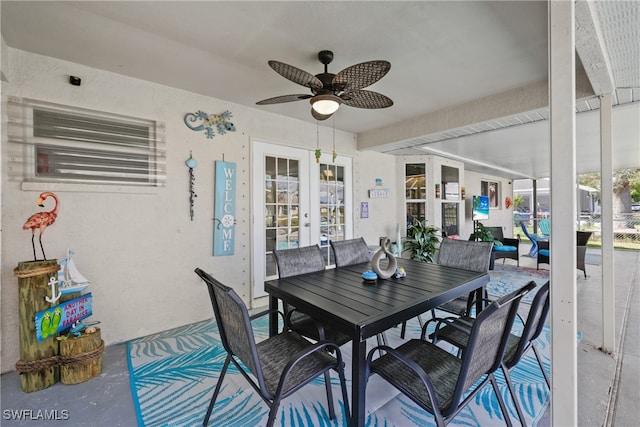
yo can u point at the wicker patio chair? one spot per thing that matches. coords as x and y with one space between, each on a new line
510 247
440 382
276 367
467 255
455 331
582 237
295 261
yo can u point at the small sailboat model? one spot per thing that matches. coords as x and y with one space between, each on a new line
69 278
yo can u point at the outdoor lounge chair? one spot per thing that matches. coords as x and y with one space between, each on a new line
534 238
456 332
440 382
582 237
545 227
276 367
295 261
510 247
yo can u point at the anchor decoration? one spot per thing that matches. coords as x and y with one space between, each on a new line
210 122
53 281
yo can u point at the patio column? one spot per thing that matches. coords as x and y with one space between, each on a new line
564 348
606 226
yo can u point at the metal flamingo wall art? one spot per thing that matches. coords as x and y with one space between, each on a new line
40 221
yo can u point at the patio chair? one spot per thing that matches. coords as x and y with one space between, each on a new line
545 227
510 247
467 255
349 252
276 367
295 261
456 332
534 238
440 382
582 237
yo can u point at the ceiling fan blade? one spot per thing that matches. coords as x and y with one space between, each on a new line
283 98
319 116
361 75
366 99
296 75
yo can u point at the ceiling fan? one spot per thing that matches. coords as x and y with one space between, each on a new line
329 90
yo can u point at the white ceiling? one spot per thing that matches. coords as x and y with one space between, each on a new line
445 57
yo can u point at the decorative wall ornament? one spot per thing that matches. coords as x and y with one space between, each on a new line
60 317
508 202
210 122
393 262
191 164
318 152
379 191
334 153
40 221
224 209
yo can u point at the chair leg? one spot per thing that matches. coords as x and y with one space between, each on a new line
327 385
512 391
539 359
273 411
345 396
503 407
216 391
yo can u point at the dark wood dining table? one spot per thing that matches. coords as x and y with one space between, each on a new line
340 297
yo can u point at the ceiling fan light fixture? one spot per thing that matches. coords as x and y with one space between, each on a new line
325 104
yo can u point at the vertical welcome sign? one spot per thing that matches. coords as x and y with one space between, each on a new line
224 209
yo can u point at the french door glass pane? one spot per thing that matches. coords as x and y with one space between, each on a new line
415 181
415 212
332 220
281 224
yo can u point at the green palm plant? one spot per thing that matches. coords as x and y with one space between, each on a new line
422 241
483 235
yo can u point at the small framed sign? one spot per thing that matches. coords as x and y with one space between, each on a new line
364 209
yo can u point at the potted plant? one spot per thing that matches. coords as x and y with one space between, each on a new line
422 241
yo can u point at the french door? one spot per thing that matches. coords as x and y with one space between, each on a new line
297 201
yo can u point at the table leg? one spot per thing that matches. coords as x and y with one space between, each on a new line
273 316
358 383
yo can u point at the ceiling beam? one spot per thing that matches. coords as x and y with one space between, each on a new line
590 46
508 103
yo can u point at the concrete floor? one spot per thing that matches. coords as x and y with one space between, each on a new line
608 385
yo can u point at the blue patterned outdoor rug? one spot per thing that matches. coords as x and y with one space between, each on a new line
506 278
173 375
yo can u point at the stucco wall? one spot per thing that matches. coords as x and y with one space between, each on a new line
139 250
384 213
501 216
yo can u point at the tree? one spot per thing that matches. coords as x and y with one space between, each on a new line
518 201
625 181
